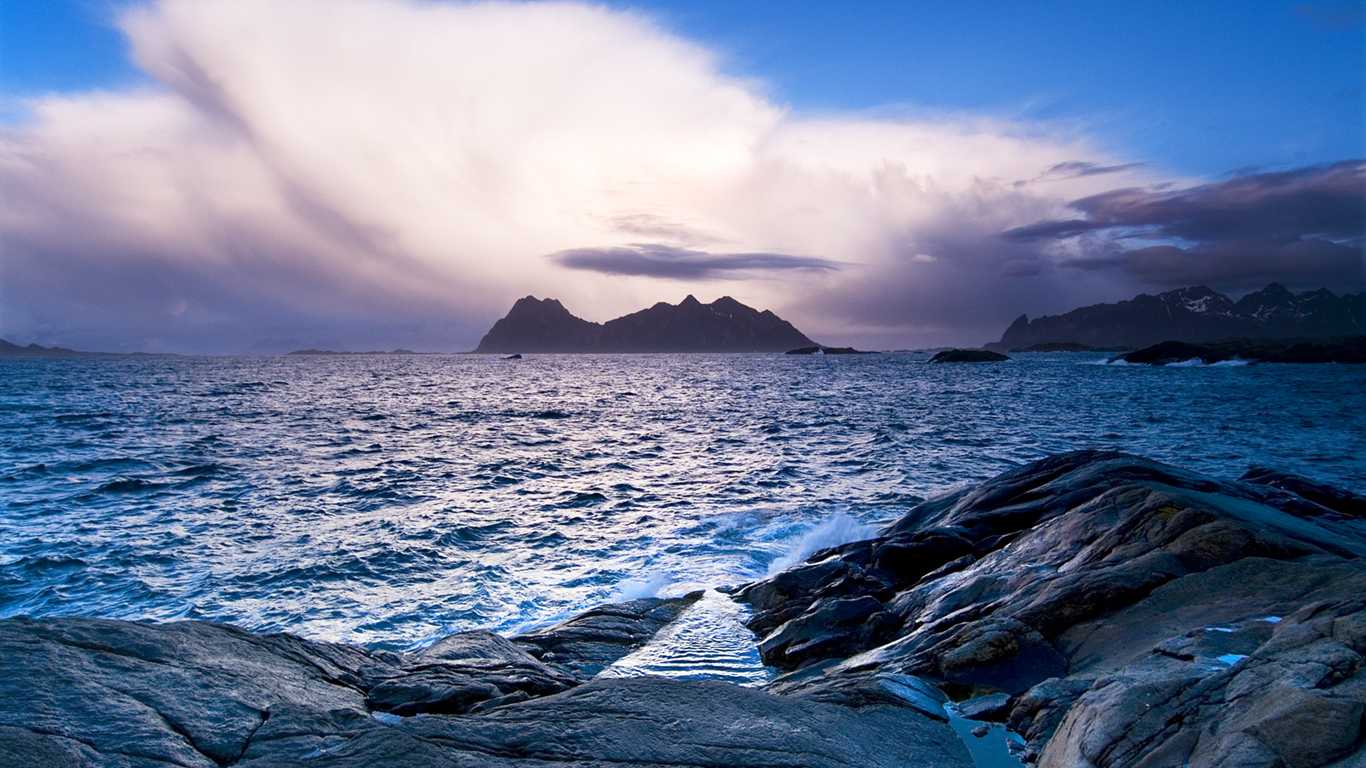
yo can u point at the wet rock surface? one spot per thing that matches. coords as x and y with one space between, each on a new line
1114 611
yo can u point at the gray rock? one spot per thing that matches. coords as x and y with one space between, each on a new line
590 642
1111 593
463 670
831 627
646 722
190 693
993 707
108 693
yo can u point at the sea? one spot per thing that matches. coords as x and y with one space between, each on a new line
390 500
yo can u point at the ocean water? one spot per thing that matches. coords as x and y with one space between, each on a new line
391 500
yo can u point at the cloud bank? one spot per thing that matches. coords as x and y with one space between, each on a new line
381 173
1304 226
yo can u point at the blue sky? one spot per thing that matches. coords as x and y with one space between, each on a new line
367 173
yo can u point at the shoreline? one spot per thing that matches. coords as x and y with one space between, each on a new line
1052 599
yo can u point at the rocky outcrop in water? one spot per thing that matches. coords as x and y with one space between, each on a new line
1113 610
968 356
725 325
1195 314
819 350
1339 349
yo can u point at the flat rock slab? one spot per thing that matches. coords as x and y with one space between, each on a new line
640 722
90 692
591 641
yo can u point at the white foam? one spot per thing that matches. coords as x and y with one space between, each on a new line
839 528
635 589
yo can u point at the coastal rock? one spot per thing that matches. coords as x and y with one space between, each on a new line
1336 499
1113 611
590 642
968 356
636 722
1113 600
465 670
90 692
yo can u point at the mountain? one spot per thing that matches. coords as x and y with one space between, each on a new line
8 349
725 325
1195 314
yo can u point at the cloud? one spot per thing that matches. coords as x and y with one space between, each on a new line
1306 226
388 173
668 262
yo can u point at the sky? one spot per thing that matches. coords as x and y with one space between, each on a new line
251 176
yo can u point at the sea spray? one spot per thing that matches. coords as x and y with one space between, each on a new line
839 528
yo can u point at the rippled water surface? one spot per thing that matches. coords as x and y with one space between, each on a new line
389 500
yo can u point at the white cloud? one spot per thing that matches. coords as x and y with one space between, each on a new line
391 172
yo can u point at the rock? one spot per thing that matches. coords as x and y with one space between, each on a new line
912 555
190 693
1297 700
818 350
1331 349
1337 499
590 642
968 356
1108 594
1175 352
831 627
993 707
89 692
1114 611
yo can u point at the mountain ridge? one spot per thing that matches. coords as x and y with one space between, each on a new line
725 325
1194 314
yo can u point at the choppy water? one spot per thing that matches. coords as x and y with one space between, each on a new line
390 500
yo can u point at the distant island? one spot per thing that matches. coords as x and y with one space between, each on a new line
8 349
1193 315
1330 349
725 325
328 352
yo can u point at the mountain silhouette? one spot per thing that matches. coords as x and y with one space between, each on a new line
725 325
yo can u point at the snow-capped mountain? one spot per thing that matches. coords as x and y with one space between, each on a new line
1195 314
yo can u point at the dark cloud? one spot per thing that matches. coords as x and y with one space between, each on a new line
1050 230
1075 169
1305 225
650 260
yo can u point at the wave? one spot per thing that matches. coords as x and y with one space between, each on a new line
839 528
